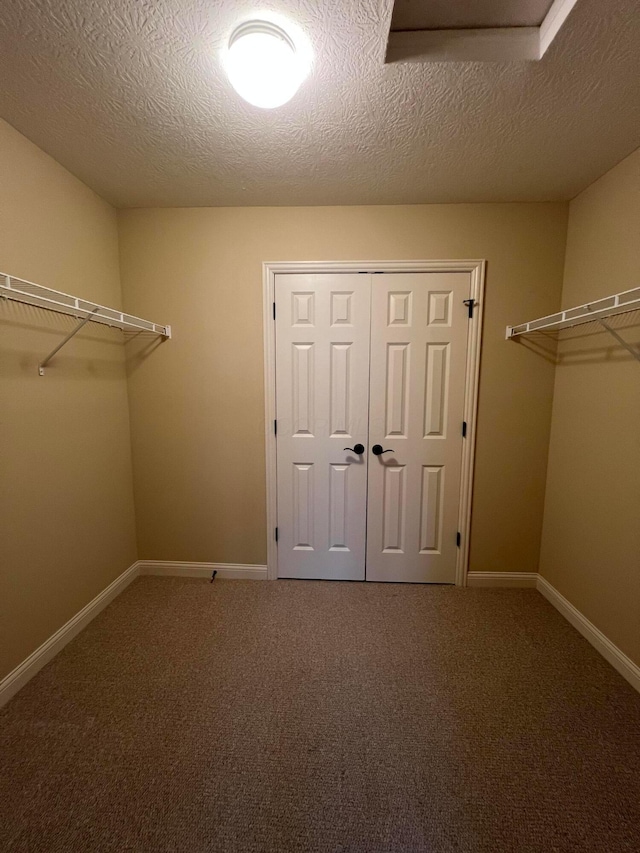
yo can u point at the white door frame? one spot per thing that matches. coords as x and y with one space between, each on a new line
472 372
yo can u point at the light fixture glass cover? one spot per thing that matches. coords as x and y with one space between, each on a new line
263 64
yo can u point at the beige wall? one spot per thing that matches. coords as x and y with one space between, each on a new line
591 543
66 507
197 405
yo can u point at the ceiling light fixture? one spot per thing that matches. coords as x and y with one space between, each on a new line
264 64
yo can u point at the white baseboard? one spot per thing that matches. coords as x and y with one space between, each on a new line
231 571
617 658
609 651
25 671
504 579
16 679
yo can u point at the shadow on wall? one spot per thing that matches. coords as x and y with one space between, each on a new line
139 346
31 333
30 336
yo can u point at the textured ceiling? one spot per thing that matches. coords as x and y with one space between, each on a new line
130 96
453 14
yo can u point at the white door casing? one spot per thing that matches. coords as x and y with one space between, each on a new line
322 391
419 332
392 300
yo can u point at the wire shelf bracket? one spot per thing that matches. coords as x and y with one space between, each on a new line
29 293
599 311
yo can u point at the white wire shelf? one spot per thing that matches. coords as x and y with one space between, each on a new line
20 290
599 312
29 293
601 309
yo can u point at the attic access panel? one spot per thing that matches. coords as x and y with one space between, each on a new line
474 30
467 14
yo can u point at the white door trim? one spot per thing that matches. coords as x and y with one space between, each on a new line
476 268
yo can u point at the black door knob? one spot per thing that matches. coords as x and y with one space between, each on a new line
378 451
358 448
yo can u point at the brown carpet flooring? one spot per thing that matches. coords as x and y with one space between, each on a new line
314 716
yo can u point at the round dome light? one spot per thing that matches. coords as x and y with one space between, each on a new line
263 65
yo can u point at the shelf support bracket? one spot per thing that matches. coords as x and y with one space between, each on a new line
633 350
73 332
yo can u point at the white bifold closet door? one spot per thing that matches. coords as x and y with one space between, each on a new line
377 360
419 328
322 405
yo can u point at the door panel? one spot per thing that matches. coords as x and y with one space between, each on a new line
419 330
322 404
